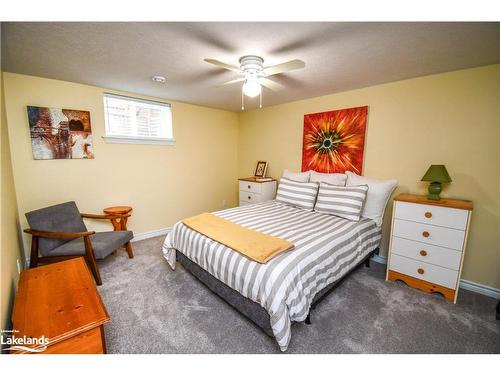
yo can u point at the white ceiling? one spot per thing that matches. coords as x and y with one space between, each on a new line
338 56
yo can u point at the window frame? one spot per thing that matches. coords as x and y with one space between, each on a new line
128 139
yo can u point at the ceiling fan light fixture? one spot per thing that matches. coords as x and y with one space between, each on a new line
158 79
251 88
255 75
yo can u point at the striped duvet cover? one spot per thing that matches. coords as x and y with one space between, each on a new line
326 248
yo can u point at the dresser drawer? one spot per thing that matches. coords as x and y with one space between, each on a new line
246 196
253 187
434 215
434 235
439 256
428 272
89 342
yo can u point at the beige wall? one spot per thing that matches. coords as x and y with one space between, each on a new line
9 245
163 183
451 118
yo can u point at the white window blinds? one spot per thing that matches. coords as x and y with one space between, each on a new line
137 119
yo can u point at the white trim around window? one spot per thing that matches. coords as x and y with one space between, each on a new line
137 121
138 140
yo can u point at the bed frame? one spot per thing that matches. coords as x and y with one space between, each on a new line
252 310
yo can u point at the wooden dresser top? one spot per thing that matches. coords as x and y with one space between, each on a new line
443 202
253 179
57 301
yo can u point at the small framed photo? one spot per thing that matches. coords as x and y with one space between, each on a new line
261 169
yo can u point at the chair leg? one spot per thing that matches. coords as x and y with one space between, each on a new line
34 252
89 255
128 247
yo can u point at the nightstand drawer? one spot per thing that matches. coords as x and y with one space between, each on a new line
253 187
246 196
434 215
424 271
439 256
434 235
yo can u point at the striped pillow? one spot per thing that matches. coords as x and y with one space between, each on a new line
342 201
298 194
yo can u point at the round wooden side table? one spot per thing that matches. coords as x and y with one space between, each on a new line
118 224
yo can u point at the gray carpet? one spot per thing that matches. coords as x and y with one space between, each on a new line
156 310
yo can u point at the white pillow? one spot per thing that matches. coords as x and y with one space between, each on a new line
299 177
379 192
338 179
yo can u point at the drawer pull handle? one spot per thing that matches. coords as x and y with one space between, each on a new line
425 234
249 186
421 271
249 197
423 253
428 215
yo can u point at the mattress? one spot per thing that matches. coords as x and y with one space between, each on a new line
326 248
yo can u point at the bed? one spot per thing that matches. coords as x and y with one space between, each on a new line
281 291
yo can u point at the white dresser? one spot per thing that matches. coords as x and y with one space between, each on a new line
427 245
252 191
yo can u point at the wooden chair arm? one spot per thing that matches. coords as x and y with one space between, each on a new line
48 234
106 217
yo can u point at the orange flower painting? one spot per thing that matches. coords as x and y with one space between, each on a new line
334 141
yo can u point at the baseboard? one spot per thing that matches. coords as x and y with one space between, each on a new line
480 288
137 237
151 234
379 259
464 284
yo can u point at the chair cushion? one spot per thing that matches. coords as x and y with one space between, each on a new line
63 217
103 243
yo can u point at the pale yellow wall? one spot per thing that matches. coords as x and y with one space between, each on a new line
162 183
9 245
451 118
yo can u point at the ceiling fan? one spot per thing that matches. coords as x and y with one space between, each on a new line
254 74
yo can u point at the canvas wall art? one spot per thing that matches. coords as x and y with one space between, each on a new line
60 133
334 141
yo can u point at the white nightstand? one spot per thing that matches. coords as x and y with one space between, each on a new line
252 191
427 245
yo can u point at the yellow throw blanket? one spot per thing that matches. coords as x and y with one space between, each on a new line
257 246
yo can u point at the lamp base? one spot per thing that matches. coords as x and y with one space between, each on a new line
434 191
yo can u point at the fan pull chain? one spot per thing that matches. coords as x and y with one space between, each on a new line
260 99
242 101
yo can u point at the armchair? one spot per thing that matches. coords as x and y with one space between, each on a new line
59 233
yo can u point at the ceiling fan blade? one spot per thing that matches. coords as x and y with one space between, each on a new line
285 67
223 65
231 82
270 84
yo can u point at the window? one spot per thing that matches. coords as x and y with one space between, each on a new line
131 120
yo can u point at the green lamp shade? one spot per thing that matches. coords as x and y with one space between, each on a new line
436 174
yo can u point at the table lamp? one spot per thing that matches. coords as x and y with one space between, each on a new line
436 175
